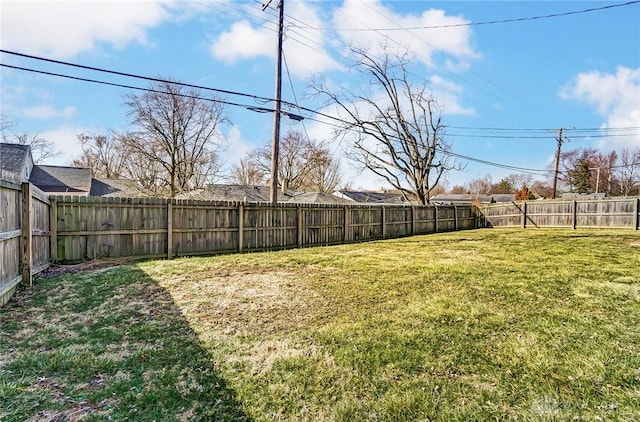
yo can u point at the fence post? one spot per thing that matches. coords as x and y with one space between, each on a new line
169 228
636 215
455 218
347 224
435 219
413 221
53 229
240 227
524 215
575 214
27 239
384 224
299 225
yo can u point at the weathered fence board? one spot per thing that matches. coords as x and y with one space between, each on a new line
36 229
603 213
24 235
96 227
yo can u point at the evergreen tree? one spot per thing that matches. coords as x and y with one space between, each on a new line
580 175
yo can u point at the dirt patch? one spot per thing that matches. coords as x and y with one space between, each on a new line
239 303
57 269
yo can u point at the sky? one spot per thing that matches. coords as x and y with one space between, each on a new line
505 88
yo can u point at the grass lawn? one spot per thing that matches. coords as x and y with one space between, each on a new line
476 325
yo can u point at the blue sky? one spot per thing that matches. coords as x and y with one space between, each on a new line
579 71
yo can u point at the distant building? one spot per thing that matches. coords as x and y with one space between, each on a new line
467 199
257 193
375 197
56 180
16 162
16 166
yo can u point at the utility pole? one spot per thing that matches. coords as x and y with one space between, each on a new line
275 146
555 177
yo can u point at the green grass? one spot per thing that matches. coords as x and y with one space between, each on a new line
477 325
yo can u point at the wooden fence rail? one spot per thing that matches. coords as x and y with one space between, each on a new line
24 235
603 213
88 228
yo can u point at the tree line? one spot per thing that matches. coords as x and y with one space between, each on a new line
582 171
392 127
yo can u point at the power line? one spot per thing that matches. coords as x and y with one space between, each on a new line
269 110
132 75
598 129
77 78
491 22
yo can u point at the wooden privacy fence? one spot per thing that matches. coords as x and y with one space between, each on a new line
24 235
94 227
602 213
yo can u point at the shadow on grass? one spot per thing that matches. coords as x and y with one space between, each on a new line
107 344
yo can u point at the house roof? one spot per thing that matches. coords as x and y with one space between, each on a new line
229 193
244 193
375 197
13 157
316 198
468 197
54 179
115 188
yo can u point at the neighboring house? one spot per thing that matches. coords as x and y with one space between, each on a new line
373 197
229 193
16 166
467 198
242 193
317 198
56 180
16 162
116 188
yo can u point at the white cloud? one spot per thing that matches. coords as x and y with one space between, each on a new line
616 97
44 112
243 41
446 93
235 148
65 140
305 51
423 43
65 28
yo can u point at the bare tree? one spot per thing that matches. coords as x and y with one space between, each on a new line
481 185
41 149
248 173
177 137
106 155
397 126
324 175
303 164
542 189
627 173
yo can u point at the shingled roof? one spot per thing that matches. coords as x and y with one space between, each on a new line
242 193
62 180
116 188
372 197
14 158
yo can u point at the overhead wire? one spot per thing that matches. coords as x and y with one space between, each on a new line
295 98
426 60
114 84
268 110
462 64
539 172
491 22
